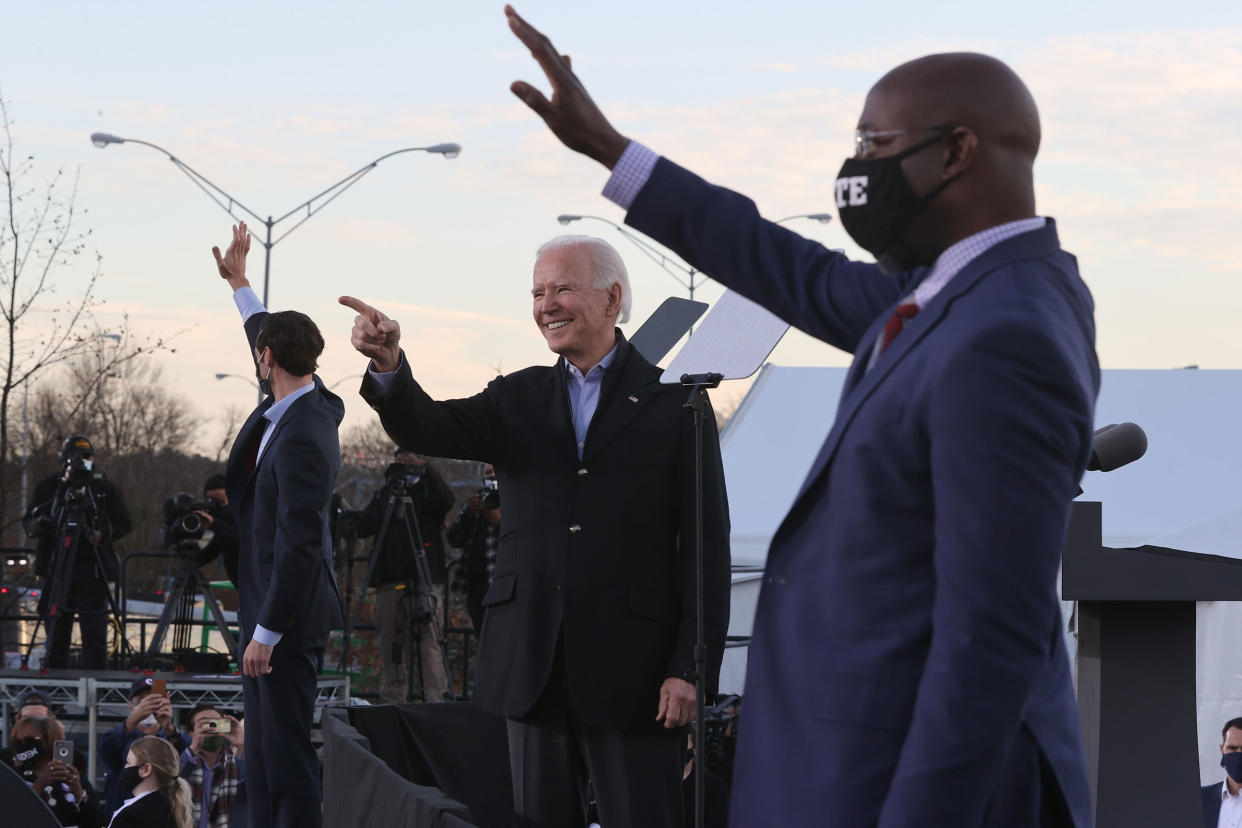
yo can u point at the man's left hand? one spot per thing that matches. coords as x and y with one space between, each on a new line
677 703
257 660
232 265
571 114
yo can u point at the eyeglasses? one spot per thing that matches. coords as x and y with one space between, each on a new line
866 143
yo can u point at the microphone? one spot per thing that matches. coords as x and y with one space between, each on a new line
1116 445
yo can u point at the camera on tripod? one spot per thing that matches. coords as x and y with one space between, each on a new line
399 477
181 519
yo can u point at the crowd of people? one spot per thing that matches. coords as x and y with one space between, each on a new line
156 776
210 757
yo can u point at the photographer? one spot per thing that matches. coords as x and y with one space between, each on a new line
214 766
220 521
78 492
395 579
476 532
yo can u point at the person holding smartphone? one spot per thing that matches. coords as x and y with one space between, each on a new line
150 714
57 782
214 765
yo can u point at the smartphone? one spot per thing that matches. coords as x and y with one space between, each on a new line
62 751
159 688
219 725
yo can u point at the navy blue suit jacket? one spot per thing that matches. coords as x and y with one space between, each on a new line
1211 804
286 583
908 624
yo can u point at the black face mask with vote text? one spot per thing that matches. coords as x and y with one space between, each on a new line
26 754
877 204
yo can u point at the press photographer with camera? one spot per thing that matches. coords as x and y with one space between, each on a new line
77 495
222 524
186 519
476 532
395 574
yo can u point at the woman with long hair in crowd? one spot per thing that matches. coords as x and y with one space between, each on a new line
157 796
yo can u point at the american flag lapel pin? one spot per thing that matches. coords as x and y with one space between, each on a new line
633 399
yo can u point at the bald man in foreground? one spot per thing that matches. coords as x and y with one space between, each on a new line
907 666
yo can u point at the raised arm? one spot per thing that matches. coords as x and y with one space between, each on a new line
232 267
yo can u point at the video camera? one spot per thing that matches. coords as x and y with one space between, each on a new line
181 519
489 494
399 477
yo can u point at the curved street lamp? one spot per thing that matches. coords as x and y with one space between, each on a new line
671 266
822 218
243 379
103 139
664 260
342 379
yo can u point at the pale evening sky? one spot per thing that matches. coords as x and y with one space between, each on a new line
1141 105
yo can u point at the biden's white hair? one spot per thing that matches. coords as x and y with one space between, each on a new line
607 269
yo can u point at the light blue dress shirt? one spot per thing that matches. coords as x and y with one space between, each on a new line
584 395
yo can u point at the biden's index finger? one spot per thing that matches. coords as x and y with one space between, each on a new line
363 308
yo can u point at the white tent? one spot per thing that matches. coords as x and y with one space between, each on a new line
1181 495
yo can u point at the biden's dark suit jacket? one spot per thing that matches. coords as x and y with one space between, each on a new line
599 550
908 636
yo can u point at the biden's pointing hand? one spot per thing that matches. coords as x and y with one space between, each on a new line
375 335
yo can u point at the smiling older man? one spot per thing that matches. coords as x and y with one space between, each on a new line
588 638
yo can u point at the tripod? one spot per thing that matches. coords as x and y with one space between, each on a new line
77 513
179 609
429 611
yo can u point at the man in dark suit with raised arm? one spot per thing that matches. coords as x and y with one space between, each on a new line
280 476
588 634
908 665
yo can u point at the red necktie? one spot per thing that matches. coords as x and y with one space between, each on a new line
252 451
900 318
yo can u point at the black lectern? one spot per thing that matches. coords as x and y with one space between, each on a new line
1136 670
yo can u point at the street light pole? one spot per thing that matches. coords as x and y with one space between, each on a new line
342 379
663 260
240 377
666 263
822 218
216 194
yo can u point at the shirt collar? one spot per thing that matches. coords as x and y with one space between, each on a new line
134 799
954 258
601 367
1225 796
278 409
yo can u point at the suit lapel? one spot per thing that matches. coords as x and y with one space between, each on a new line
291 412
558 411
236 472
864 382
626 389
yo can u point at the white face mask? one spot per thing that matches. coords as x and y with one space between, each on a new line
149 721
87 463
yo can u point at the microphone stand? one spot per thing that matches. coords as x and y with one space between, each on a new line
697 403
